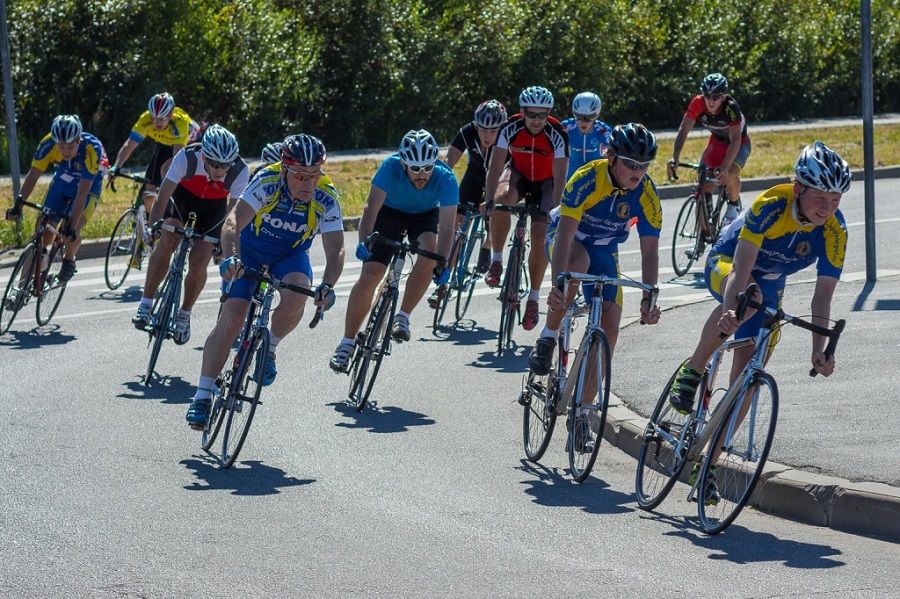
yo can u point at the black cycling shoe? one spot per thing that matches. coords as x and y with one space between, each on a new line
484 261
541 359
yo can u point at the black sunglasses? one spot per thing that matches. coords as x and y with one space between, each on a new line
536 115
216 164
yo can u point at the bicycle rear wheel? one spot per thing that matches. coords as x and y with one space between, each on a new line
660 460
687 243
17 292
52 289
541 395
744 449
509 299
585 439
121 249
367 361
466 274
164 306
243 396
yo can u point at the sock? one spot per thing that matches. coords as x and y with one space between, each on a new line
147 301
348 341
205 387
496 256
546 332
274 340
534 295
183 312
403 314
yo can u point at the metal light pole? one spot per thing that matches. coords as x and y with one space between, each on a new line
9 102
868 142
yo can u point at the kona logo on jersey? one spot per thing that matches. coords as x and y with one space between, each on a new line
803 248
277 223
623 210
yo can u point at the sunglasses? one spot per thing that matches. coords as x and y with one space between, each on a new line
715 96
303 175
536 115
585 117
420 169
216 164
634 165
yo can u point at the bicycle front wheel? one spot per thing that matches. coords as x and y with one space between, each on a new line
367 361
243 396
121 249
540 395
742 441
164 306
687 242
18 290
52 289
590 403
466 275
509 299
664 445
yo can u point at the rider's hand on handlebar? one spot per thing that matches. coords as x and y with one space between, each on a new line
821 364
721 177
672 169
728 322
647 316
231 268
557 300
324 296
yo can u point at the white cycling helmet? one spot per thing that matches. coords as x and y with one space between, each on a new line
586 104
271 153
219 144
536 97
418 148
161 105
66 128
820 167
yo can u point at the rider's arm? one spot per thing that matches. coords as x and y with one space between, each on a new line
453 156
649 260
373 205
562 245
498 159
125 152
333 244
238 218
560 169
446 219
30 181
820 307
162 200
687 123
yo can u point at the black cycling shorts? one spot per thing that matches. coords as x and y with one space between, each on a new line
154 173
394 224
471 191
210 213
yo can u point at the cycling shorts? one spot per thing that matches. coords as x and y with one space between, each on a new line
471 191
604 260
714 154
210 213
718 267
538 194
59 198
394 224
154 174
280 265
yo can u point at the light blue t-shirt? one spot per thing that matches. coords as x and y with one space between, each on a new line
441 190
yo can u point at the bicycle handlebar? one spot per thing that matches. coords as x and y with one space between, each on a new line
184 233
135 178
264 277
564 277
377 238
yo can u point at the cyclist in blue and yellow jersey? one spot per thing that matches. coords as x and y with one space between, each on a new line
592 220
413 195
166 124
786 229
588 135
274 223
77 158
204 178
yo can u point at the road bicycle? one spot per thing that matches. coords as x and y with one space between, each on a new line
238 387
374 342
544 396
168 298
126 248
515 285
36 273
467 243
739 428
699 221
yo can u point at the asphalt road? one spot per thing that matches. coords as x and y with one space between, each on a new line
106 492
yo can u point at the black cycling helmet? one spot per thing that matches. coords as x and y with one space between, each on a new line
302 149
633 141
490 115
714 83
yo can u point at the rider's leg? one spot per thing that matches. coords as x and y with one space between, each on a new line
195 281
360 300
218 343
158 264
420 277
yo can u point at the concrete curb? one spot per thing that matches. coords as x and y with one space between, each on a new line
864 508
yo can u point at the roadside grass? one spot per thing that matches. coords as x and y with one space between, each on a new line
773 154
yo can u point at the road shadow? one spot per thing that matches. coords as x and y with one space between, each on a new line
36 338
374 419
694 280
741 545
553 487
879 305
514 359
250 477
169 389
127 295
465 333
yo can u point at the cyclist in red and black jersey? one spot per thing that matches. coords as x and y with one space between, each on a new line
537 148
729 145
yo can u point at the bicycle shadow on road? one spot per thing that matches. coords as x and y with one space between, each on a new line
36 338
169 389
695 280
464 333
877 305
374 419
129 295
513 360
741 545
249 478
553 487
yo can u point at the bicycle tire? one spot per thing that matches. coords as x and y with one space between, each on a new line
687 230
579 465
8 313
658 466
509 296
243 396
52 290
539 416
163 310
470 276
223 385
378 335
123 243
441 307
737 472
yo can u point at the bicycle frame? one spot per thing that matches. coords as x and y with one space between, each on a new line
471 221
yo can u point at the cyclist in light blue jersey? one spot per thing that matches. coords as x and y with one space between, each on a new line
588 135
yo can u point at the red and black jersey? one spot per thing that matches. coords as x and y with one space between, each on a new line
533 155
717 124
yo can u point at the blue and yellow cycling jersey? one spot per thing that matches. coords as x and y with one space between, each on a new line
785 245
603 211
85 164
178 131
282 223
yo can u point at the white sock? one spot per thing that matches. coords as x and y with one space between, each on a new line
205 387
274 340
147 301
348 341
496 256
534 295
183 312
403 314
549 333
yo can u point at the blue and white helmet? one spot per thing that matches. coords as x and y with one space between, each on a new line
271 153
536 97
66 128
302 149
418 148
820 167
219 144
586 104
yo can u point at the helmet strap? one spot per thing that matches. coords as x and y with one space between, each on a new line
800 215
